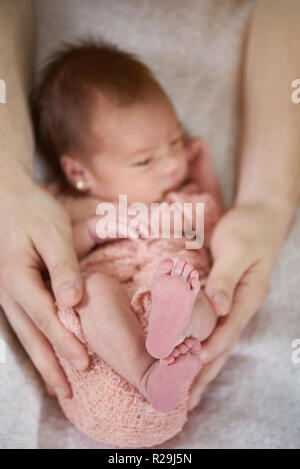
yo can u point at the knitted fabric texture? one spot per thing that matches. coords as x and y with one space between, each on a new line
104 405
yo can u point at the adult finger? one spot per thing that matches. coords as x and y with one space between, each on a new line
228 268
37 347
249 296
59 256
39 306
207 374
50 390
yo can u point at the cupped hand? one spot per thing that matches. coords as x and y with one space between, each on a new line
244 247
36 235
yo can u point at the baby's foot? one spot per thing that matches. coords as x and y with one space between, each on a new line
173 297
165 378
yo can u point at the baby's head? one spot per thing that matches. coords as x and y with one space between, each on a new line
102 118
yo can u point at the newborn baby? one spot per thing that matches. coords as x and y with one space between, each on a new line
107 128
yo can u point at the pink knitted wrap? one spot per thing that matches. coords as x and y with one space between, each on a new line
104 405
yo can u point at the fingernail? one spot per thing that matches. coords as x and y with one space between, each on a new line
68 291
69 286
62 392
78 364
222 301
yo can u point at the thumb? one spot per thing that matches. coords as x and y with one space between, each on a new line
224 276
62 264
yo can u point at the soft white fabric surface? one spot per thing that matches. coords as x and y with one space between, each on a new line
196 48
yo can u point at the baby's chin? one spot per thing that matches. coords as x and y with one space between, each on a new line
147 200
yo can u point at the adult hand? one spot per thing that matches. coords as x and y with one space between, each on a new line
244 247
35 234
78 205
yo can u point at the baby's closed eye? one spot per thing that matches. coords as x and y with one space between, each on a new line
177 141
144 162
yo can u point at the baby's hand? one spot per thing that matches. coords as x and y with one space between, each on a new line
102 227
85 236
201 169
245 245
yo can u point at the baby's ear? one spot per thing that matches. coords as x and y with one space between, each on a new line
72 169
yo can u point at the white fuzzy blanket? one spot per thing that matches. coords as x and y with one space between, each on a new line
195 47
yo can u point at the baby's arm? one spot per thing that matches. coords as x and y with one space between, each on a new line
78 206
83 238
86 238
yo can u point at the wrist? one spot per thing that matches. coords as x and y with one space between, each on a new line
276 215
284 206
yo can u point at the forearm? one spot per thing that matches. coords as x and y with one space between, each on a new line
85 236
270 147
16 66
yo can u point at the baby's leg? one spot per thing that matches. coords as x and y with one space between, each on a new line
111 328
115 335
179 310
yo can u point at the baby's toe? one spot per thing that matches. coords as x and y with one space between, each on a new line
165 266
194 281
183 348
195 285
188 268
179 266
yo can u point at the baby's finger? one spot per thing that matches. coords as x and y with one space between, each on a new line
37 347
39 306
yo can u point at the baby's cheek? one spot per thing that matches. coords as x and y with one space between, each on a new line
137 190
150 190
127 186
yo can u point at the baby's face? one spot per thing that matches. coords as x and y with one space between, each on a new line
142 155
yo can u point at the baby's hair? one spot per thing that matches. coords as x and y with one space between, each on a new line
62 102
